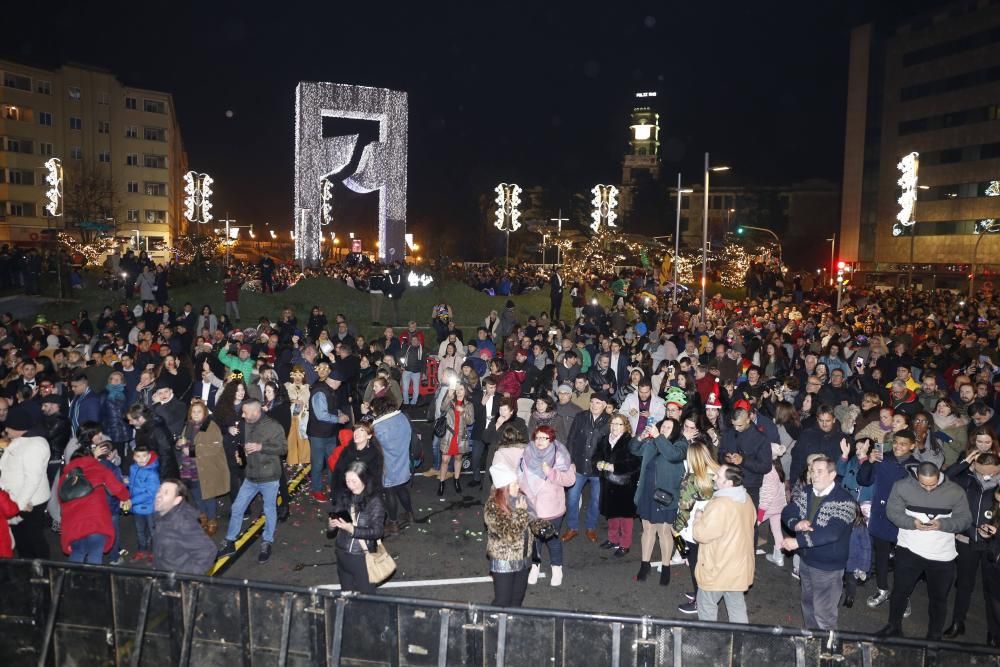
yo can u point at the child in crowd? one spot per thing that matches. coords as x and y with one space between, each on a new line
143 483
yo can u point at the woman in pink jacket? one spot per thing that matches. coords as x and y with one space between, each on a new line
772 501
544 474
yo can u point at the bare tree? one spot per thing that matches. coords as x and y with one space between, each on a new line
91 196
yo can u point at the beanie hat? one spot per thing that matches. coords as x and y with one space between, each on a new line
502 475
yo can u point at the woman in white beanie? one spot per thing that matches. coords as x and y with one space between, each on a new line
510 529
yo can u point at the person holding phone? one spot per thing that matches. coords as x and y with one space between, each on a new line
358 516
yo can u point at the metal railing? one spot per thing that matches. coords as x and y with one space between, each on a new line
69 614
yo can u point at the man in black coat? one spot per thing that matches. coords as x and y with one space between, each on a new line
824 438
555 296
746 446
585 433
151 430
179 544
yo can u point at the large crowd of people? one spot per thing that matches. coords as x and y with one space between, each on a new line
849 448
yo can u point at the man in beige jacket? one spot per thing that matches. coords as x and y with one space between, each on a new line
725 530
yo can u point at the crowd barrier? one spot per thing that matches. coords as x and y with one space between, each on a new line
81 615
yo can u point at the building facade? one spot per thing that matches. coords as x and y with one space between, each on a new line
121 151
930 86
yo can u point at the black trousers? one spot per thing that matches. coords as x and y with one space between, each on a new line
693 562
509 588
991 589
29 534
556 307
396 496
968 564
352 572
882 549
940 575
754 494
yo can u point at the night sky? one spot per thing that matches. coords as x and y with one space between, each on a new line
536 93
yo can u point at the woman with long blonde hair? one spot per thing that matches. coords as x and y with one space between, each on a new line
698 485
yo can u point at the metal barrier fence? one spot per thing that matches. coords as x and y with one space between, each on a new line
81 615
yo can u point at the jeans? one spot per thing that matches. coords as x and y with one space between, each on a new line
143 531
553 543
89 549
248 491
206 507
319 451
821 591
478 448
436 453
410 379
708 605
509 588
116 545
573 502
396 496
940 574
882 549
233 311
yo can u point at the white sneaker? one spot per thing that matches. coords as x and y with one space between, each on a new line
879 598
533 574
677 558
556 575
909 610
777 558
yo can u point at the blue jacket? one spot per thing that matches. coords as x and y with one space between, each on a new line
882 477
143 483
827 545
86 408
393 432
848 472
113 419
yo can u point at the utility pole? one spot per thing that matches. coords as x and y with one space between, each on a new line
228 222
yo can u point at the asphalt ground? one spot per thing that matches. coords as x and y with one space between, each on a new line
446 546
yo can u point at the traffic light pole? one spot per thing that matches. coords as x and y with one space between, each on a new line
777 240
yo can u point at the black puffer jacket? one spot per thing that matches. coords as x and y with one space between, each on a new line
154 433
980 501
369 522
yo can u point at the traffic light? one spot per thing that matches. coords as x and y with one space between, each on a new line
739 231
841 265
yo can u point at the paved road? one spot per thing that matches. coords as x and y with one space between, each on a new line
448 542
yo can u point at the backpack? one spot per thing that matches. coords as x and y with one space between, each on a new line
75 486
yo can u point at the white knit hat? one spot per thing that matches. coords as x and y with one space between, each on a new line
502 475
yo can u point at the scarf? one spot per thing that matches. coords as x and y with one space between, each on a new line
116 392
555 455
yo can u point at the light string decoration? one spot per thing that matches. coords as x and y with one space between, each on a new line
508 200
198 197
382 166
327 202
908 168
989 225
54 178
604 202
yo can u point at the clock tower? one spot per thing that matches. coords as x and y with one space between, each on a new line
642 161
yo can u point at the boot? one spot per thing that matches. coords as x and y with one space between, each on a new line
643 571
556 575
391 528
440 488
202 519
533 573
664 575
211 527
458 485
955 630
405 519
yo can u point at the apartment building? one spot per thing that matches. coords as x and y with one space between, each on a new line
121 150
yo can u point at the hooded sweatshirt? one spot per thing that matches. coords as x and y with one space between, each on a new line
946 503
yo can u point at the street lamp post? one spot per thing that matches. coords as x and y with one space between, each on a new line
833 246
559 222
677 231
704 235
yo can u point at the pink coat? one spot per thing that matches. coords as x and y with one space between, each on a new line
550 500
508 456
772 494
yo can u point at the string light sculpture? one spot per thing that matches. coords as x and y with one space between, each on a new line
197 200
989 225
604 202
908 168
382 166
508 200
327 201
54 194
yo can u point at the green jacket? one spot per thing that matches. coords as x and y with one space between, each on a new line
265 465
237 364
688 497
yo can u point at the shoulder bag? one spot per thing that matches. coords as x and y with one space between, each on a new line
379 563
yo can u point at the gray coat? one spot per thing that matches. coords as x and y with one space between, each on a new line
146 282
179 543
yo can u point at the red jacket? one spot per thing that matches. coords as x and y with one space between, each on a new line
8 509
90 514
510 383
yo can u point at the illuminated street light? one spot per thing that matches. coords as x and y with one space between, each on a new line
197 200
507 214
54 194
604 202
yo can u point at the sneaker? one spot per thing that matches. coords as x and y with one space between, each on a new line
688 608
117 561
776 558
556 575
265 552
692 596
533 573
621 551
607 544
320 497
878 598
795 573
677 558
909 610
140 556
226 550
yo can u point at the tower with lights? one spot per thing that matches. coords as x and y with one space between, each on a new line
642 159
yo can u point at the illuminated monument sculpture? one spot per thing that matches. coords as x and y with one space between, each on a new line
382 165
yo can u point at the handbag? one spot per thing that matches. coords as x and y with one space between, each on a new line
441 426
663 496
379 563
75 486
